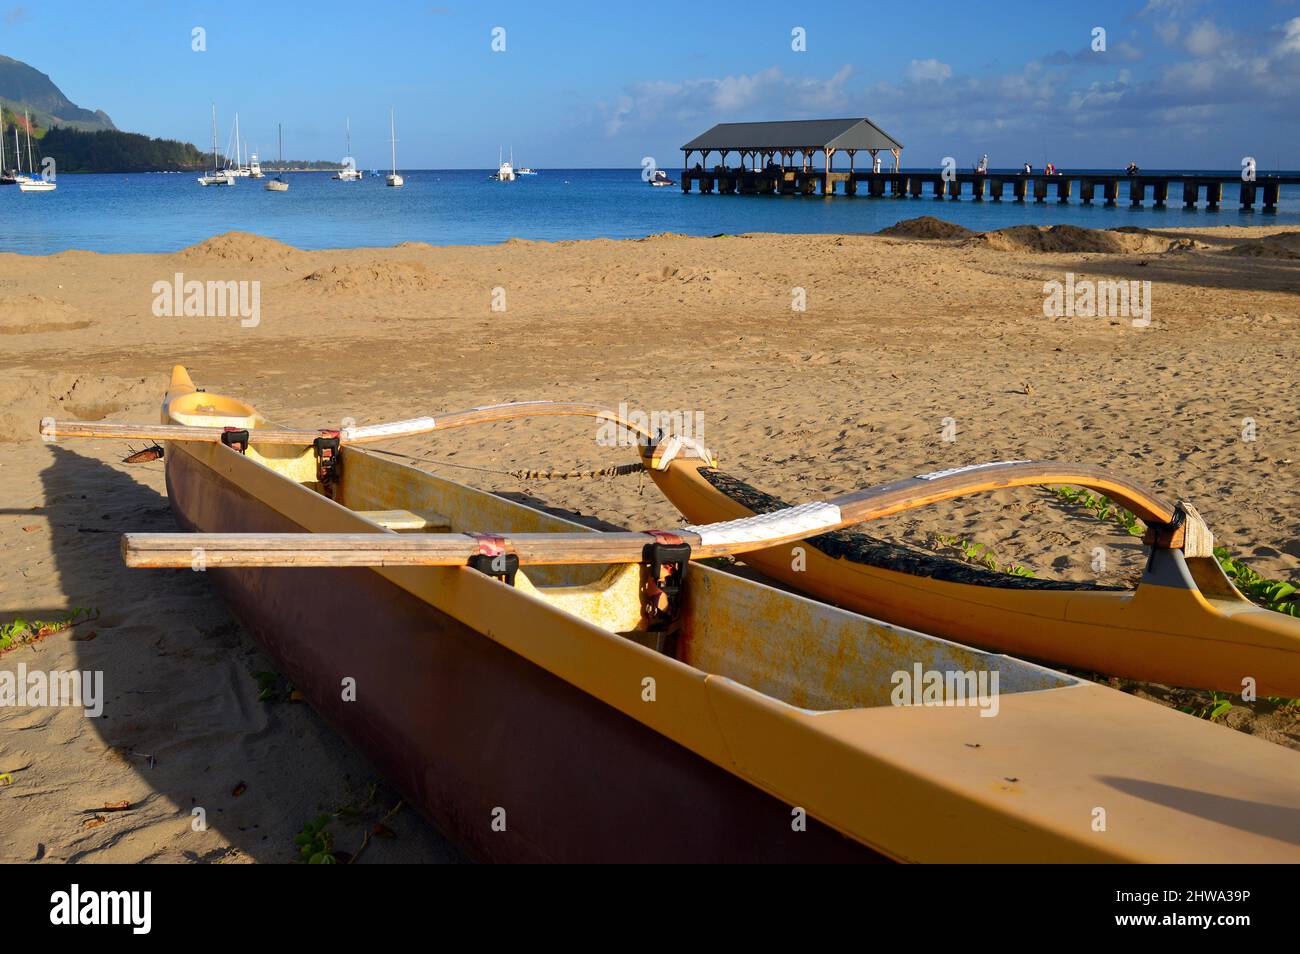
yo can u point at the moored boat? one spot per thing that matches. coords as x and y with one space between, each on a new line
278 184
349 172
218 176
505 168
593 712
393 179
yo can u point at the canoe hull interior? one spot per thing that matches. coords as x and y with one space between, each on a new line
463 726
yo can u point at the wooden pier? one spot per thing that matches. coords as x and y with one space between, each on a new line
1089 187
780 158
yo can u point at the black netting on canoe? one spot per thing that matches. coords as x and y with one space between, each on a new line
858 547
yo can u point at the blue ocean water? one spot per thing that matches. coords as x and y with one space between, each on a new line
156 212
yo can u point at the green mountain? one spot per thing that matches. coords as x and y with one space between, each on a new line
77 139
25 87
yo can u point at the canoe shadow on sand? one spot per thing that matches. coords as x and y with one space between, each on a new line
183 726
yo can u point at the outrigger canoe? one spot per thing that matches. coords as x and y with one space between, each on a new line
553 707
1184 624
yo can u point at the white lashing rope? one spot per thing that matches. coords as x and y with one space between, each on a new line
792 522
670 447
393 429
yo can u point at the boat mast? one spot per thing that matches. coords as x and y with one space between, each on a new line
239 160
31 166
392 133
18 153
215 167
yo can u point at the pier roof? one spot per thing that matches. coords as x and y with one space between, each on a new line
860 133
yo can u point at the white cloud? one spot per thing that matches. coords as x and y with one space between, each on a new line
1291 37
1206 39
927 71
727 97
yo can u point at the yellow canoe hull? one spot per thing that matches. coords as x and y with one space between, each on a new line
772 711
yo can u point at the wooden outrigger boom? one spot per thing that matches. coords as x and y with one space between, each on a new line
729 538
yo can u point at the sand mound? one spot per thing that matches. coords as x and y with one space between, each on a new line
30 314
1278 245
927 227
244 247
686 274
27 398
393 277
1056 239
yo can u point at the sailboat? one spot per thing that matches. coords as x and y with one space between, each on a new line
40 183
217 176
349 173
393 179
505 170
278 184
238 169
11 176
8 176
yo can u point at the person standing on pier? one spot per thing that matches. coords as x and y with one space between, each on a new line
1028 169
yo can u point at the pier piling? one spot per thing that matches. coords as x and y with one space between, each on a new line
1271 192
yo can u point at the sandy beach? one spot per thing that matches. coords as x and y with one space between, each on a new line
905 340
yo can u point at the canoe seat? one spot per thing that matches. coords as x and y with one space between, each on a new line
408 521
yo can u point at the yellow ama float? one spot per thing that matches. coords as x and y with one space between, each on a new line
605 698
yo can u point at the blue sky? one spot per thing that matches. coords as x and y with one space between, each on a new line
1181 83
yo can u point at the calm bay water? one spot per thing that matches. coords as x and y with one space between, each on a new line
164 212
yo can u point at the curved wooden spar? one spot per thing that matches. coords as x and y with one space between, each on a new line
925 489
711 540
363 434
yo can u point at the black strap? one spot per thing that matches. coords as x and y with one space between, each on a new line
235 439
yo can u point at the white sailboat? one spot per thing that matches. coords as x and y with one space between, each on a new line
40 183
349 173
218 176
254 167
278 184
18 178
9 176
393 179
238 169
